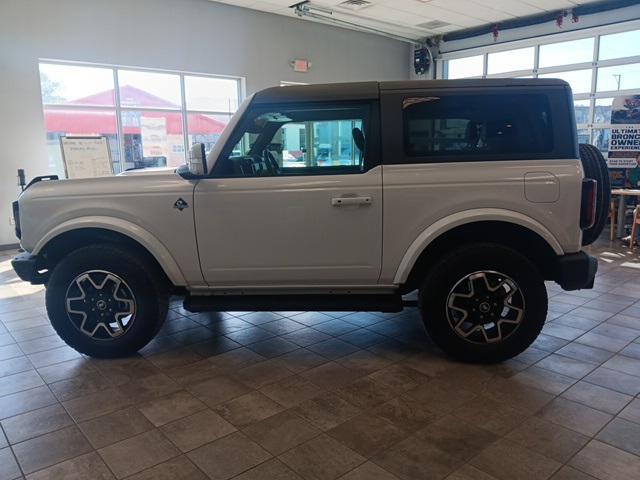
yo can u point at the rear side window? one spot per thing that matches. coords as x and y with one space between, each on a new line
477 126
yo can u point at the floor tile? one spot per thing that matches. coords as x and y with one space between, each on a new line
456 437
367 434
632 411
575 416
333 348
301 360
566 366
273 347
491 415
263 373
291 391
322 458
54 356
19 382
399 377
14 365
368 471
137 453
597 397
193 431
331 375
364 361
606 462
602 341
570 473
281 432
228 456
306 336
366 393
469 472
441 397
9 469
52 448
247 409
506 461
87 382
172 407
84 467
96 404
406 413
548 439
114 427
585 353
416 459
622 434
614 380
624 364
17 403
327 410
544 380
35 423
272 469
178 468
218 389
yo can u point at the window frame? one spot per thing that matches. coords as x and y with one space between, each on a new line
393 126
591 126
371 125
118 108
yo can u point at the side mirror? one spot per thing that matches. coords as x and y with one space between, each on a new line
197 161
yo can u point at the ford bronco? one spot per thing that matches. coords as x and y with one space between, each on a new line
335 197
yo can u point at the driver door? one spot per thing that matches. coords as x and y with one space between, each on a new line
294 200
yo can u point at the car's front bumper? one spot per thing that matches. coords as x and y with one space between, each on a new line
26 266
575 271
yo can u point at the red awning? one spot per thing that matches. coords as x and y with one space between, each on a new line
87 122
91 122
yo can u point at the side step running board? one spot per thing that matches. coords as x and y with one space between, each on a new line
268 303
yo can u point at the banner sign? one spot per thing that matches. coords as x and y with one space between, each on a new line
153 131
624 143
86 157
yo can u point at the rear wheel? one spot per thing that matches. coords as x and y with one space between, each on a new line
595 167
105 302
483 303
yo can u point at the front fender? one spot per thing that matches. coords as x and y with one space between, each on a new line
135 232
461 218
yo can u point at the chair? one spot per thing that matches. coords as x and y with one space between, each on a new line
634 227
613 215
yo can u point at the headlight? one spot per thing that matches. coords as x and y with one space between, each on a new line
16 218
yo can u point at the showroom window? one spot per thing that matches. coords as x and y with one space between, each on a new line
597 66
150 118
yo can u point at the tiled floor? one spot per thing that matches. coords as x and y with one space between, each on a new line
311 395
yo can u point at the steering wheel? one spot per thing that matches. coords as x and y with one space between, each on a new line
270 162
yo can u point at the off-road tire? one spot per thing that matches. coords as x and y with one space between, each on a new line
144 280
446 275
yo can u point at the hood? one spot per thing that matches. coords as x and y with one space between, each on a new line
147 171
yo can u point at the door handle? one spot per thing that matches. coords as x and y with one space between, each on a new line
339 201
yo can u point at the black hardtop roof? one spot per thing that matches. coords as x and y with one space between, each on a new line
371 90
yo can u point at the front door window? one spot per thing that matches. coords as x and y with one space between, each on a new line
296 141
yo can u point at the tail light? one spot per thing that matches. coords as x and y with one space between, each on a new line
588 205
16 218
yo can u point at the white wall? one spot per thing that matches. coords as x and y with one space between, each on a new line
189 35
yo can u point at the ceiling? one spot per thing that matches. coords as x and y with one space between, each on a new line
415 18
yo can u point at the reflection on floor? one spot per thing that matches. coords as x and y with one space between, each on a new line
312 395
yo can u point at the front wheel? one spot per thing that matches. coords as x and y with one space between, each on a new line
483 303
104 301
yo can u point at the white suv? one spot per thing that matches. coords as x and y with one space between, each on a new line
474 192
